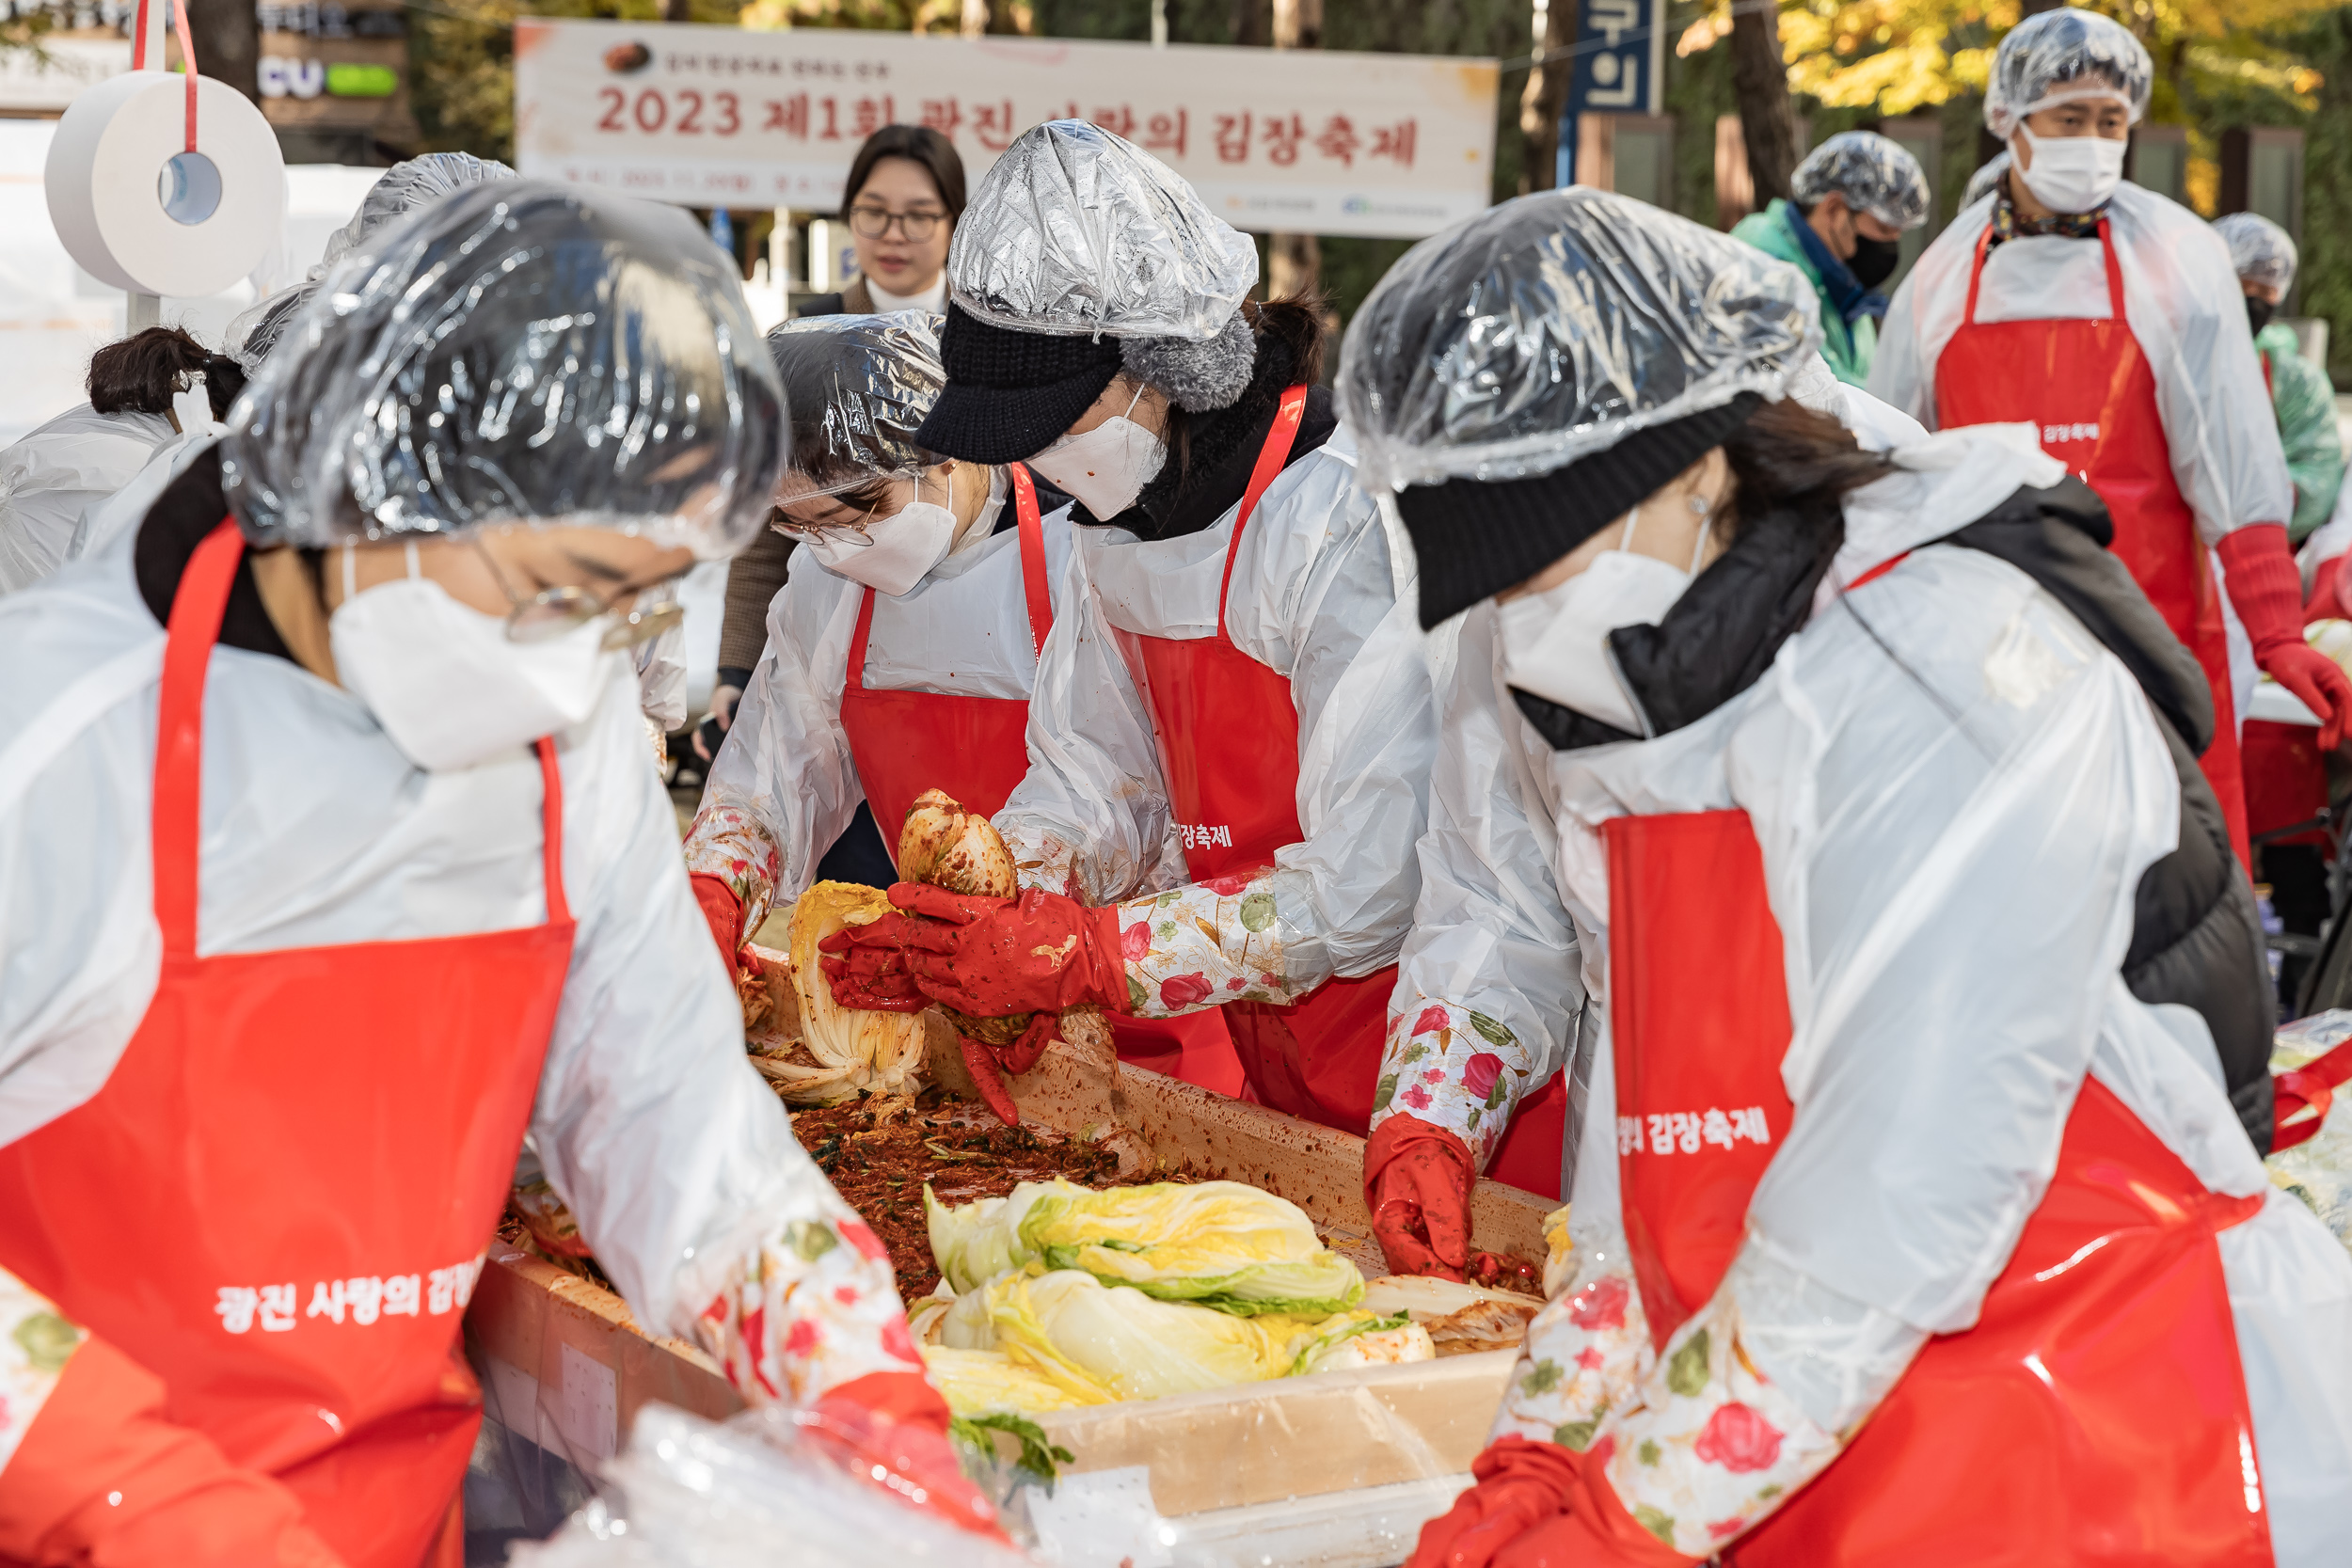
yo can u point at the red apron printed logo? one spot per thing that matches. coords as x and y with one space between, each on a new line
1205 835
360 1302
1688 1132
2058 434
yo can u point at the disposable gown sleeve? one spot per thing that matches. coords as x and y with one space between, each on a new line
1090 818
783 786
676 1160
1488 985
2305 404
2012 786
661 679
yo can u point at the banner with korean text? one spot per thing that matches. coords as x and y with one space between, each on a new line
1309 141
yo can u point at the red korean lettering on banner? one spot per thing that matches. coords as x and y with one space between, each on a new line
787 115
993 125
1339 140
873 113
1393 141
833 120
1165 134
1119 120
1233 139
942 115
1283 137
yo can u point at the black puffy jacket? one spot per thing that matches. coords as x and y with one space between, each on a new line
2195 938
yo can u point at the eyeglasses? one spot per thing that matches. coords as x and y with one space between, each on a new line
872 223
856 535
552 611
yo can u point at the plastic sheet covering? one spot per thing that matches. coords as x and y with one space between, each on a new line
404 187
1551 328
54 476
2063 57
2181 300
1076 231
1874 173
857 387
756 1489
525 352
2319 1170
2260 251
1981 182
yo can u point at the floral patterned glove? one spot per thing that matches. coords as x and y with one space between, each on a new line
728 845
1204 945
1456 1069
812 1305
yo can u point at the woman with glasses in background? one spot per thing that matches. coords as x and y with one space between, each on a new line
903 195
902 658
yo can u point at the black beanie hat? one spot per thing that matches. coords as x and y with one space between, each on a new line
1011 394
1475 538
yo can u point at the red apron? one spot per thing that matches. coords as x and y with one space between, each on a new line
2088 388
2097 1412
976 749
278 1202
1228 733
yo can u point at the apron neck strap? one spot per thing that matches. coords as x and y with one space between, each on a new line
1033 581
2115 274
196 608
1975 276
1272 458
551 831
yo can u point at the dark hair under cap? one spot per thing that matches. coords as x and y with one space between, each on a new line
1011 394
1475 538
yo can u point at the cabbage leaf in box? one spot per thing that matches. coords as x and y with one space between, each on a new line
1221 1245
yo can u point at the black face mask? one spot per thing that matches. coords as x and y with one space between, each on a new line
2258 312
1873 260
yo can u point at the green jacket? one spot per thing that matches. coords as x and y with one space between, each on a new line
2305 404
1848 348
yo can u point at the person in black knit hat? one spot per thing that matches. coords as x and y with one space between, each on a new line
1229 744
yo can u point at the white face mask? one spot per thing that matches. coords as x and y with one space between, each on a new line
1105 468
1555 643
449 686
2072 174
899 550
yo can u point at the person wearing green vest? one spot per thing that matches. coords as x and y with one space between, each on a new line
2301 397
1854 197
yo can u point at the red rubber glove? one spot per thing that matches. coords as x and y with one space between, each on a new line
899 1422
2267 592
992 957
866 966
724 911
2327 602
1538 1504
101 1478
1417 1183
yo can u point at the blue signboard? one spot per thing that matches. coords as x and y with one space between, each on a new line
1617 69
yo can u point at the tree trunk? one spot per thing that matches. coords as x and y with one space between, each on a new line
227 43
1251 23
1294 261
1759 80
1004 19
1545 95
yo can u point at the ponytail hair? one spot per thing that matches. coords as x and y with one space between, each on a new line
143 373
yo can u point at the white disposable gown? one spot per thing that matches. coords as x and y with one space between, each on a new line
674 1157
1490 968
58 472
785 787
1322 594
2183 303
1947 751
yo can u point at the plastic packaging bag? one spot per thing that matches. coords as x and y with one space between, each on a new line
2319 1170
754 1491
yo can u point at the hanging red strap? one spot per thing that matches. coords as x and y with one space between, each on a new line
1272 459
187 53
2310 1087
196 609
1033 581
